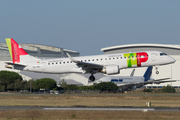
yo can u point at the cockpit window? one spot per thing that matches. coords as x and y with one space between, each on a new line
161 54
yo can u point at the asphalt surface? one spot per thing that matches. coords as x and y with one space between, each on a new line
145 109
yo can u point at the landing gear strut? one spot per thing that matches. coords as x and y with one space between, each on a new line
92 78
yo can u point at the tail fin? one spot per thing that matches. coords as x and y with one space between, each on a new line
18 54
148 73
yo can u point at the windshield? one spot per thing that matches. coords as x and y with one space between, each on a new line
161 54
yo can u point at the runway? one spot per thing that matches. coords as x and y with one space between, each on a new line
145 109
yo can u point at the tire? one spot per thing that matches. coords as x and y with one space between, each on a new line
92 78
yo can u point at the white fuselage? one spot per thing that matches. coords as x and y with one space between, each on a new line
121 80
123 60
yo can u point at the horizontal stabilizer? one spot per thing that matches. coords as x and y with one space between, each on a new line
9 63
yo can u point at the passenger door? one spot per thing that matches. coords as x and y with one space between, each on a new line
153 56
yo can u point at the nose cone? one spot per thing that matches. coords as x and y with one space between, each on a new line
172 60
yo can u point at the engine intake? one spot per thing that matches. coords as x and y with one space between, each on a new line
111 69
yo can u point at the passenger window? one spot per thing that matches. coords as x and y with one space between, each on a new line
48 63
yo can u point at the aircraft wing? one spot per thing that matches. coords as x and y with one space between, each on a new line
88 67
158 81
126 86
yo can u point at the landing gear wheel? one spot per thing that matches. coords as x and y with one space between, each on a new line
157 72
92 78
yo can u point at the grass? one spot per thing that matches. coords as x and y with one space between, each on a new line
98 115
163 100
103 99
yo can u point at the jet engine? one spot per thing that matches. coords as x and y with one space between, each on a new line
111 69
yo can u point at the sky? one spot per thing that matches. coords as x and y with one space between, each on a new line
87 26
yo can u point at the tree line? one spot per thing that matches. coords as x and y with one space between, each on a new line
103 86
12 81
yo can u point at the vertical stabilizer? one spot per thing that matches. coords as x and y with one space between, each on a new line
17 53
148 73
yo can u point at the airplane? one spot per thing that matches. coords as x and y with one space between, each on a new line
108 63
131 82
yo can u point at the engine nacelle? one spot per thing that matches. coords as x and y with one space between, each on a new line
111 69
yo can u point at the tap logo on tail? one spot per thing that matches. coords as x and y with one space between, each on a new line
15 50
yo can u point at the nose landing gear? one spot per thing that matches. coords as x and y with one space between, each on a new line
157 72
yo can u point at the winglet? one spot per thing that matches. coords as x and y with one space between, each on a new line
72 59
132 74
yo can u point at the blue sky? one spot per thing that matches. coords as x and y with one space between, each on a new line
87 26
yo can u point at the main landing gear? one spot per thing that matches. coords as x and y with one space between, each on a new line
92 78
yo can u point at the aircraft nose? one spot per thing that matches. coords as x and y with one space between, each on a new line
172 60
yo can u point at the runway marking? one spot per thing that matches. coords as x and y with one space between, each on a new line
106 109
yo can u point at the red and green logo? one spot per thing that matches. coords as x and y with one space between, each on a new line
15 50
135 59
